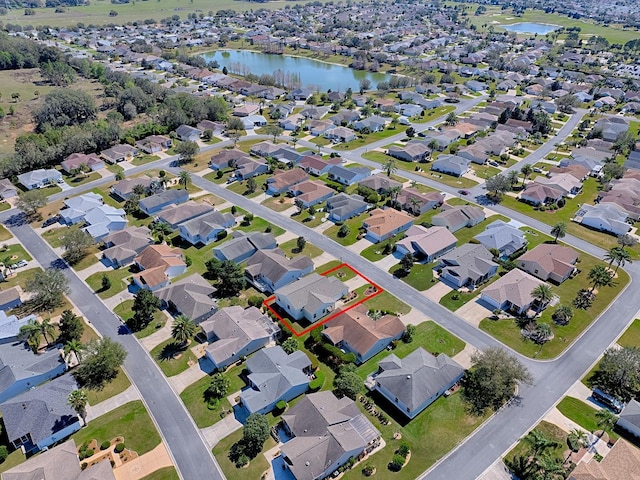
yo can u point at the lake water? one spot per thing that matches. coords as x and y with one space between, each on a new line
311 72
525 27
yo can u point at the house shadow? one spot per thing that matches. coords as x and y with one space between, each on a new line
280 471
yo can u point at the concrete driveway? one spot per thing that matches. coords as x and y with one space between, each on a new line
473 312
438 291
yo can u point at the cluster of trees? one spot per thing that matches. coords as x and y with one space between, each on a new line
18 52
539 118
229 276
254 433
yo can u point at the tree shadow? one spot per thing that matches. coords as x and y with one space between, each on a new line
170 351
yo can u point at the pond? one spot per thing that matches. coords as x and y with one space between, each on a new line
533 28
312 73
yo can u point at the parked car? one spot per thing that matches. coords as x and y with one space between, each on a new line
607 400
494 163
463 192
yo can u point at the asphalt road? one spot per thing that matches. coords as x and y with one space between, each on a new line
182 438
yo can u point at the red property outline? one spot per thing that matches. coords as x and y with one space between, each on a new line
268 301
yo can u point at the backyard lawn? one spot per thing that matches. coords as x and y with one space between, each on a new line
363 140
130 420
582 414
172 357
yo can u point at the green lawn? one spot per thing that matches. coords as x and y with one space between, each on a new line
13 253
193 397
213 177
386 301
550 431
124 311
278 204
435 113
166 473
420 277
118 385
241 187
77 180
260 225
308 220
54 236
582 414
88 260
172 357
343 273
375 251
631 337
363 140
119 281
18 278
508 332
464 235
256 467
15 458
290 249
377 156
4 234
354 224
144 159
131 421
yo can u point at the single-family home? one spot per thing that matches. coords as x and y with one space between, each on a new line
119 153
253 121
451 165
246 110
410 110
242 246
7 189
154 143
503 237
343 207
426 243
316 165
442 139
233 333
77 207
216 127
205 228
611 127
125 188
224 158
10 325
459 216
269 270
175 215
411 152
327 432
100 219
565 182
537 194
40 178
468 265
311 192
59 463
192 296
414 382
340 134
604 217
416 202
282 180
264 149
381 183
185 133
275 375
158 263
122 246
549 261
354 331
41 417
311 297
248 167
79 160
372 124
154 203
622 461
629 418
318 127
512 292
385 223
10 298
348 176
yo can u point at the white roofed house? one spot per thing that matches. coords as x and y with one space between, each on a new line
503 237
40 178
312 297
606 218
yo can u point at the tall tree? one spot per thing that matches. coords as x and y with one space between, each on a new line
562 315
47 329
100 364
71 327
78 400
606 420
184 179
229 275
47 288
31 334
183 329
75 347
539 443
254 433
526 170
627 240
390 167
451 119
187 151
599 277
161 230
559 230
274 130
218 388
145 305
543 294
618 373
76 244
31 201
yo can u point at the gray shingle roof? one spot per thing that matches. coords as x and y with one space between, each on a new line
245 245
191 295
163 198
18 362
307 290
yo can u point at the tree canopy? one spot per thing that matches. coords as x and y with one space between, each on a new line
229 275
47 288
64 107
619 373
100 363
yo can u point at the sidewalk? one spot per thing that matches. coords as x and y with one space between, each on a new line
129 395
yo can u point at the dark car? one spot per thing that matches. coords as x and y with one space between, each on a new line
463 192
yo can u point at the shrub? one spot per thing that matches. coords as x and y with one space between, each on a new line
403 450
221 235
281 405
242 461
368 469
187 260
88 452
84 465
104 445
219 174
268 229
4 453
396 464
119 447
255 301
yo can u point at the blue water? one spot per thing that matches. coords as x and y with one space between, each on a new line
312 72
525 27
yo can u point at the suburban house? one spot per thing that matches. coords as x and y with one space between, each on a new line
442 139
225 158
457 217
503 237
327 432
191 297
205 228
154 143
40 178
538 194
312 297
414 382
426 243
119 153
100 219
269 270
381 183
348 176
512 292
155 203
175 215
275 375
59 463
10 298
611 127
10 324
629 418
565 182
549 261
604 217
411 152
123 246
283 180
385 223
247 167
125 188
158 263
7 189
242 246
41 417
311 192
78 160
344 206
354 331
264 149
316 165
22 370
77 207
451 165
622 461
416 202
467 266
185 133
234 332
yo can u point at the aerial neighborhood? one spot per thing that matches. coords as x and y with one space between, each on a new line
322 240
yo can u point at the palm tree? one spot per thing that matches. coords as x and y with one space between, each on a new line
73 346
451 119
31 333
162 230
184 179
390 167
393 194
606 420
539 442
600 277
47 329
618 255
559 230
415 206
625 257
183 329
543 294
550 468
78 400
513 177
563 314
576 439
526 170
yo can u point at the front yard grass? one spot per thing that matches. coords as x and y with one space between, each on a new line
290 249
420 277
77 180
260 225
363 140
631 337
125 313
375 251
550 431
386 301
144 159
130 421
14 253
4 234
256 467
241 188
582 414
166 473
354 225
119 281
172 357
343 274
111 389
278 204
309 220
